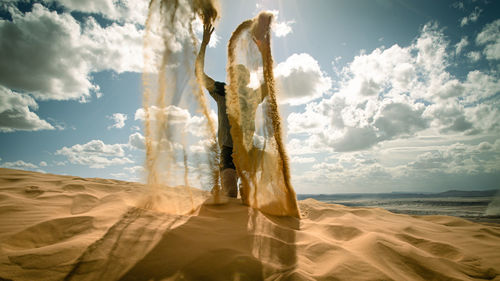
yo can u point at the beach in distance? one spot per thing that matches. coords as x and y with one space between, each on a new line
479 206
55 227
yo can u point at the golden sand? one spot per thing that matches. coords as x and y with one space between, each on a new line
55 227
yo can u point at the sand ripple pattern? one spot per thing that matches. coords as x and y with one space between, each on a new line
108 238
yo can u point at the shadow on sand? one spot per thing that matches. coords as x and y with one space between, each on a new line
225 242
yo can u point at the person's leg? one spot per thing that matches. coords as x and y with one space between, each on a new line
229 177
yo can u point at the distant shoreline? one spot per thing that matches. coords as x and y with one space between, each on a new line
448 193
474 206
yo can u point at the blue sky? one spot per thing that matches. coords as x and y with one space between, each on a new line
394 95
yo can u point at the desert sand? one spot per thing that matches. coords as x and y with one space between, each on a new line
55 227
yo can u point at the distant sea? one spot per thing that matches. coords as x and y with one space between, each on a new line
478 206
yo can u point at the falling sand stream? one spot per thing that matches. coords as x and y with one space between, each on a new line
170 48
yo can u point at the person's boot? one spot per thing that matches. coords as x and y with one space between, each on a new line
229 179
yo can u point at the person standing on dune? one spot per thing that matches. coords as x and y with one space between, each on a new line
216 89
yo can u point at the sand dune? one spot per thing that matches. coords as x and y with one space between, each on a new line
68 228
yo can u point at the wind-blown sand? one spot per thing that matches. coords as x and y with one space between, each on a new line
69 228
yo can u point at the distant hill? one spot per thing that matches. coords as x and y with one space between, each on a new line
462 193
449 193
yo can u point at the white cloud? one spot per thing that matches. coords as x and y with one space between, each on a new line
95 154
177 116
137 141
432 168
460 158
370 75
280 28
479 86
459 5
19 164
283 28
119 119
39 55
297 146
119 176
302 160
461 45
201 147
372 128
490 38
50 55
431 47
43 164
399 119
16 114
124 10
485 117
116 47
135 170
352 139
172 113
397 93
449 117
471 18
474 56
300 79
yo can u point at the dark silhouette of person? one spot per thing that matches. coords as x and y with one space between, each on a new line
248 104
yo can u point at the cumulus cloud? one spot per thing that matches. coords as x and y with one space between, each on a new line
449 117
118 119
115 47
474 56
460 158
480 86
279 28
471 18
172 113
22 165
16 113
137 141
201 147
433 167
282 28
296 146
461 45
489 37
459 5
19 164
95 154
302 160
300 79
135 169
353 139
177 116
50 55
396 93
431 47
39 56
399 119
124 10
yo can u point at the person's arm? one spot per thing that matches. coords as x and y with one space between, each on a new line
207 81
